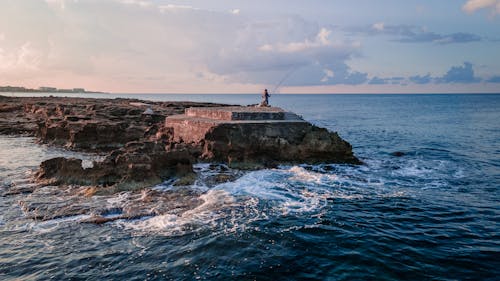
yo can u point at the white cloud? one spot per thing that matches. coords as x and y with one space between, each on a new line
378 26
328 74
266 48
25 59
130 45
172 7
321 40
266 51
236 11
141 3
57 3
474 5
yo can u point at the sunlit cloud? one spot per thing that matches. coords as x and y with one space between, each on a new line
124 41
474 5
146 45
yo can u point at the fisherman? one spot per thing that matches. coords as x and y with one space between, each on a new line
265 98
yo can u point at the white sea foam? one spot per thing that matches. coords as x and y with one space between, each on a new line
218 210
119 199
417 168
292 190
301 174
54 224
257 195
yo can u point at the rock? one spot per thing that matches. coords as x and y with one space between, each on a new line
63 170
250 137
398 154
136 166
252 145
148 143
84 123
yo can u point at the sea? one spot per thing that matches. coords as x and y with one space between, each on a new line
424 205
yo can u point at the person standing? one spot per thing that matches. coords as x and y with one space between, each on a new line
265 98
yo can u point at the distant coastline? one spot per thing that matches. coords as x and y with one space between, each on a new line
18 89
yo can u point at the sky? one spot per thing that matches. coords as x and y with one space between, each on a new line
241 46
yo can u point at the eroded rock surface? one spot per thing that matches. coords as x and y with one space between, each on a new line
254 145
135 166
130 131
254 137
146 143
83 123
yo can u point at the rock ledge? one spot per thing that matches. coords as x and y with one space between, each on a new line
255 137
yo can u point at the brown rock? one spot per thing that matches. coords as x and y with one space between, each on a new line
255 137
136 166
143 151
260 145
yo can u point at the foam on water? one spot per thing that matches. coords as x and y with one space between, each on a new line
219 211
258 195
302 175
54 224
233 206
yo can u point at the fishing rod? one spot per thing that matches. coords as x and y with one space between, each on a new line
285 77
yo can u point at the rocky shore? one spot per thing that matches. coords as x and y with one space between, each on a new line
144 143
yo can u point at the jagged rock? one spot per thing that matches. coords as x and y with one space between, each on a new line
84 123
249 145
136 166
250 137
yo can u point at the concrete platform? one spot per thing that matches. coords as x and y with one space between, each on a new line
197 121
237 113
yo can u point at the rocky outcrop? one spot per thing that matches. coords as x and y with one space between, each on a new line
266 145
130 131
86 124
137 165
255 137
147 143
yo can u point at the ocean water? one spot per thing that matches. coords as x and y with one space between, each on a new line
431 214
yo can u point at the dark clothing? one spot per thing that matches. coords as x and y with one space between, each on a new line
265 98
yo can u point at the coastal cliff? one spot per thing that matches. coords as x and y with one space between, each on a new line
144 143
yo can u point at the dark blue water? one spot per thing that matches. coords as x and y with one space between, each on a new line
431 214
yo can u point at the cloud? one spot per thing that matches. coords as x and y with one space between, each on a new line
421 79
460 74
140 45
412 34
141 3
431 37
378 81
385 81
26 58
473 5
265 51
124 43
494 79
380 26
